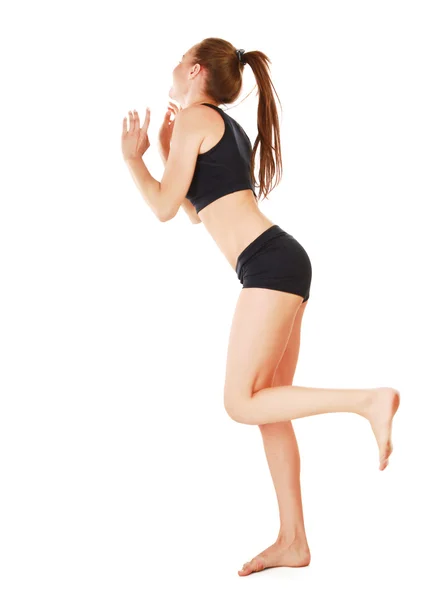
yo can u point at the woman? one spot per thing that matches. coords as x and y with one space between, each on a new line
210 173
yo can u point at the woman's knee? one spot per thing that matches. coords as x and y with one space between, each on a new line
237 407
233 406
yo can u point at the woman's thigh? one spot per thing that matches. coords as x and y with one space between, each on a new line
260 330
284 375
285 371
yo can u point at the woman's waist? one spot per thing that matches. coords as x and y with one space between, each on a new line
234 228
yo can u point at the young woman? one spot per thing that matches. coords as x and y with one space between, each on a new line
210 173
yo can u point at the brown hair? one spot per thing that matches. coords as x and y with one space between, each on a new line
224 83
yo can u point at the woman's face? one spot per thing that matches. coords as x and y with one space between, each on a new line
180 80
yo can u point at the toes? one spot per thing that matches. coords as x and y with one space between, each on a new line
244 568
256 564
387 450
383 459
252 566
259 565
383 464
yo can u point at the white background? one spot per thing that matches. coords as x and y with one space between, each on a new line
121 474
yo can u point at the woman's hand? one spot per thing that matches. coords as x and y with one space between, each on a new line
135 142
165 131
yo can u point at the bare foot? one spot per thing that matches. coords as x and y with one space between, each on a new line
278 554
381 410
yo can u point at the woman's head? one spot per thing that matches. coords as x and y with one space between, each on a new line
211 71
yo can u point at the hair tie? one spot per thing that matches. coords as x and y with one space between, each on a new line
240 56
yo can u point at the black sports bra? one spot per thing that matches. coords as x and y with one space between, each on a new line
223 169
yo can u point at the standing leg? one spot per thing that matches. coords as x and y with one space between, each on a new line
282 453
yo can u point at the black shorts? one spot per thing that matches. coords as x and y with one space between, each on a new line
277 261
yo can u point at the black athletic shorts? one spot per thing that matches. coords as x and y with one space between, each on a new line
277 261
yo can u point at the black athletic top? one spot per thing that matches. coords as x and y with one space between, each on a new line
223 169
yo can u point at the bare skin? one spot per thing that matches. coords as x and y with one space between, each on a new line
282 452
258 344
379 410
264 372
279 554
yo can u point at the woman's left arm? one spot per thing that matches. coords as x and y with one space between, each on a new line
146 184
165 197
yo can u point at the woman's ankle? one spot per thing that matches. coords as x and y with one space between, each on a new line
287 538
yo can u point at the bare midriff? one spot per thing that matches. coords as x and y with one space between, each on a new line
234 221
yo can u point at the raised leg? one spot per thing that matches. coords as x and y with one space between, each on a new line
258 339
